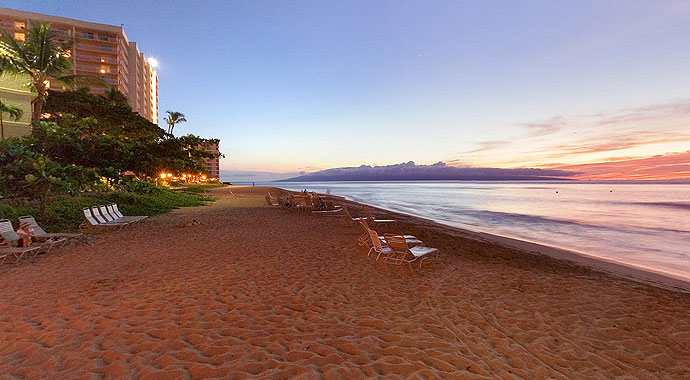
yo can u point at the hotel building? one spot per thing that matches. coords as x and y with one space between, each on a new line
98 50
212 164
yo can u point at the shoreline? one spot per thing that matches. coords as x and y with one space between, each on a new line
605 266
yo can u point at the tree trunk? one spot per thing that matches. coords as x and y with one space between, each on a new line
2 128
37 111
43 202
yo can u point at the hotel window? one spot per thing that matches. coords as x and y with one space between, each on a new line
88 35
20 25
106 48
20 37
103 38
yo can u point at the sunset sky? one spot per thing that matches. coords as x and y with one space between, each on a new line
601 87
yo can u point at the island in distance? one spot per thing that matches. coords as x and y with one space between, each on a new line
439 171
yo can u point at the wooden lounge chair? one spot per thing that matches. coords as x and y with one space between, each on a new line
125 218
93 221
401 253
54 239
10 238
367 214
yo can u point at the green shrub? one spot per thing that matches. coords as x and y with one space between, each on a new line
65 215
141 187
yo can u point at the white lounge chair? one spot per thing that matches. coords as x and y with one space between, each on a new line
54 239
116 212
10 238
404 254
364 239
367 214
269 200
98 221
377 246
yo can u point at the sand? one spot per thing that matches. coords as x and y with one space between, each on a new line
261 292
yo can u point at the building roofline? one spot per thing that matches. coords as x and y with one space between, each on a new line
63 20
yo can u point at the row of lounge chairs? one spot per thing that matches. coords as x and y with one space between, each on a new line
395 249
307 202
45 241
108 217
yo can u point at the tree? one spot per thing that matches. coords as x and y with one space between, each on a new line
14 113
92 131
173 119
116 97
43 59
25 173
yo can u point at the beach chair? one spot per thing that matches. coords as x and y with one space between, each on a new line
364 239
113 216
269 201
367 214
347 217
93 221
59 239
402 253
10 238
377 246
126 218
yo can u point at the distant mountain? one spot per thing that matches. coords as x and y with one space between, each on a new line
438 172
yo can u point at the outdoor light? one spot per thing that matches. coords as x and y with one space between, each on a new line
169 175
153 62
102 71
163 175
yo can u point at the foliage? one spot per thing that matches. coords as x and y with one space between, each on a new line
104 134
43 59
141 187
26 173
14 113
66 215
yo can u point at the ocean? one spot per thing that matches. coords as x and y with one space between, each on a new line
643 225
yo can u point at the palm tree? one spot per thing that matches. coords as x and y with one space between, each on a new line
174 118
43 59
15 113
114 96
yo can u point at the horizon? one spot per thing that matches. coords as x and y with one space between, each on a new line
598 88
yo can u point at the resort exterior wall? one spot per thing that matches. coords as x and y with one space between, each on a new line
14 92
99 50
212 165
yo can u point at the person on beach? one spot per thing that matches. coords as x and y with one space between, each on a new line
26 235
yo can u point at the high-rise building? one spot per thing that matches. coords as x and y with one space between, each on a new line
212 164
98 50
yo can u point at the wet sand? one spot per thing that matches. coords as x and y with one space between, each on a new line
263 292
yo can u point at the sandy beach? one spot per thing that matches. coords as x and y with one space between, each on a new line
268 293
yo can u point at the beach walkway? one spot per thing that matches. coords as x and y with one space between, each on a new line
261 292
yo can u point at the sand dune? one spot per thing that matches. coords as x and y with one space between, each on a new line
260 292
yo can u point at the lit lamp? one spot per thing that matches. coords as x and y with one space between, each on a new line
163 175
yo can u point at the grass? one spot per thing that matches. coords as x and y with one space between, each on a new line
65 215
199 188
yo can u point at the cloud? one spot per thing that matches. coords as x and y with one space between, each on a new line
628 134
670 166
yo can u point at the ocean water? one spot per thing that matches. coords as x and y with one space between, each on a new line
645 225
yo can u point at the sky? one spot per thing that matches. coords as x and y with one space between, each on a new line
599 87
